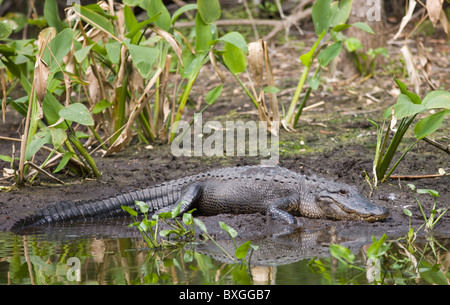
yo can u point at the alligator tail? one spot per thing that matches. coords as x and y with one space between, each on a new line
66 211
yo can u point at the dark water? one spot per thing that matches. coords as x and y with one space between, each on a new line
59 256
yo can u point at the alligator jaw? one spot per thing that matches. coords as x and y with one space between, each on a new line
354 208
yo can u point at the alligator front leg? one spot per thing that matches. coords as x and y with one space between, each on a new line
278 210
188 200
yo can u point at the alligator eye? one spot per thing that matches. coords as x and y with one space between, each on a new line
343 192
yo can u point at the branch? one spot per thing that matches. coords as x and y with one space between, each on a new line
278 25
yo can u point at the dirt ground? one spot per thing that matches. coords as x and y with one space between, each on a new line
335 141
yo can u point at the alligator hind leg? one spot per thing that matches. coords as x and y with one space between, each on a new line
188 201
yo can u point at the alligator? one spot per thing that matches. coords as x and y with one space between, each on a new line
274 191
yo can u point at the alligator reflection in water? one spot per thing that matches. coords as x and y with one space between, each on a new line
118 255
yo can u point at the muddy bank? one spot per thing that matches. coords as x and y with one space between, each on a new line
335 142
137 167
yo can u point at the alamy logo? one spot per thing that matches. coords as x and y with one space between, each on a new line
74 272
374 11
230 139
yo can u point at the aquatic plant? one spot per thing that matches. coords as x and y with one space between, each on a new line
328 18
407 107
180 233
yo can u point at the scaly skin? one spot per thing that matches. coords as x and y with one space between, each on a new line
275 191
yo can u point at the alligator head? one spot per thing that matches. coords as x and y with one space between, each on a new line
341 201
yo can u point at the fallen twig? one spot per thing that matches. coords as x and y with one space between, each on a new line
43 171
438 145
417 176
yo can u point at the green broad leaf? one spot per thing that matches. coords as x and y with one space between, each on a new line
82 135
405 107
135 30
353 44
40 139
437 99
428 191
81 54
129 17
132 2
7 51
340 27
181 11
230 231
6 29
51 14
143 58
321 15
100 106
364 26
432 274
242 250
176 210
378 247
60 45
143 207
342 253
430 124
165 215
188 219
77 113
327 55
113 51
195 65
203 35
95 19
411 186
340 11
235 39
58 136
65 159
306 58
129 210
200 224
156 7
6 158
234 58
51 108
271 89
414 97
209 10
407 212
314 82
213 94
